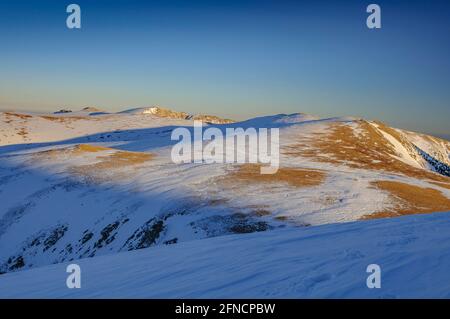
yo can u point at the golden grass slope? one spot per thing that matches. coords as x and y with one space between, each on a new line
366 150
297 177
410 199
109 163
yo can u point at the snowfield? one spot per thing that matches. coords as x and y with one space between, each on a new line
100 189
312 262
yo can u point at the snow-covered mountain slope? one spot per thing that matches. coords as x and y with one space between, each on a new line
328 261
76 185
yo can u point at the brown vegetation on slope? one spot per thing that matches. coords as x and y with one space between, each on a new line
89 148
111 166
163 112
410 199
66 119
250 173
21 116
366 150
166 113
211 119
122 159
111 160
76 150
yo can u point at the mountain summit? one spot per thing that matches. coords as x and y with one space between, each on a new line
167 113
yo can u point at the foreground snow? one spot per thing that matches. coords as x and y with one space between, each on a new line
322 261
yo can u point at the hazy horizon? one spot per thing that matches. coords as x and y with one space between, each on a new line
236 59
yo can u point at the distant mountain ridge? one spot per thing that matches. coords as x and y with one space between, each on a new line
167 113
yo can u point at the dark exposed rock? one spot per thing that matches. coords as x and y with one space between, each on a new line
18 263
106 237
237 223
171 241
54 236
146 235
86 238
69 248
249 227
437 165
62 111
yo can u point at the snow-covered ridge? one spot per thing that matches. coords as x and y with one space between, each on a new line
166 113
321 262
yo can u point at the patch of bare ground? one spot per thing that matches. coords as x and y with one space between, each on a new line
410 199
250 173
77 150
21 116
64 119
122 159
89 148
111 166
261 212
23 132
163 112
367 149
211 119
110 160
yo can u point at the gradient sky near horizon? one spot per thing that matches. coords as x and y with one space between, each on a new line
232 58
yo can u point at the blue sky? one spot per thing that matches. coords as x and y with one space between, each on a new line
231 58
